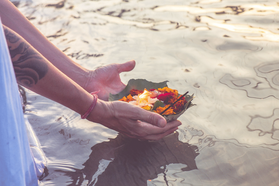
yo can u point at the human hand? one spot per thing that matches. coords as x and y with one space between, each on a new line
132 121
107 80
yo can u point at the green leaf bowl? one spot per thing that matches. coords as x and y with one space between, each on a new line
141 84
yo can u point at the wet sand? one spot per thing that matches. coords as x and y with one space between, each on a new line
226 53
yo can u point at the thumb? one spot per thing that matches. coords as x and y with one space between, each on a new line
125 67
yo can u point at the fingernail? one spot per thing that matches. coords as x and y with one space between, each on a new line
180 123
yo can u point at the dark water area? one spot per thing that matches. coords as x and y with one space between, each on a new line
224 52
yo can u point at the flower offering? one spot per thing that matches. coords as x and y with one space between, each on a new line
156 100
155 97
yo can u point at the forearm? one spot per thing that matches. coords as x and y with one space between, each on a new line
36 73
14 19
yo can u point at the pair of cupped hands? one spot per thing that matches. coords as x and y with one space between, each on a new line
125 118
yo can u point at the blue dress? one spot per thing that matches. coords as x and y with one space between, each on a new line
17 167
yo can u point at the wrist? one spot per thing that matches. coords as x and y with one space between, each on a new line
86 80
91 107
80 75
100 113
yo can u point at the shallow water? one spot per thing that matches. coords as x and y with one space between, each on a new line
223 51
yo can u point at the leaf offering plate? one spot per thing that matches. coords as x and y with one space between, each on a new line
155 97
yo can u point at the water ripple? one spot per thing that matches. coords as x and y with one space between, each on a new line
266 124
225 52
251 86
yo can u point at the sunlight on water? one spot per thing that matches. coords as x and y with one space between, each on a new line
224 52
265 35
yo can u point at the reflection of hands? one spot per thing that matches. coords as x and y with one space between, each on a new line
107 80
139 158
132 121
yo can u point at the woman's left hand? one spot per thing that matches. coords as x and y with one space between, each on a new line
107 79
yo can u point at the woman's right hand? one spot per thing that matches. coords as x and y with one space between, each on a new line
131 120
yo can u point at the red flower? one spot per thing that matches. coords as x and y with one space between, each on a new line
166 97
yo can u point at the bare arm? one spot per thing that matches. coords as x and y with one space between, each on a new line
106 80
37 74
15 20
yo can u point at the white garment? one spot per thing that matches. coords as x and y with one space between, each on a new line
35 146
17 167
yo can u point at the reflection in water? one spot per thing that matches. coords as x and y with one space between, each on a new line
122 161
225 52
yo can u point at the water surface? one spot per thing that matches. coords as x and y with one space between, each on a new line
223 51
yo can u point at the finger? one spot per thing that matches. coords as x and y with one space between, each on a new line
144 135
151 118
155 137
136 113
154 130
141 129
125 67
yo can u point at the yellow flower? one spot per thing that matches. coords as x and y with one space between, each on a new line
169 90
147 107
